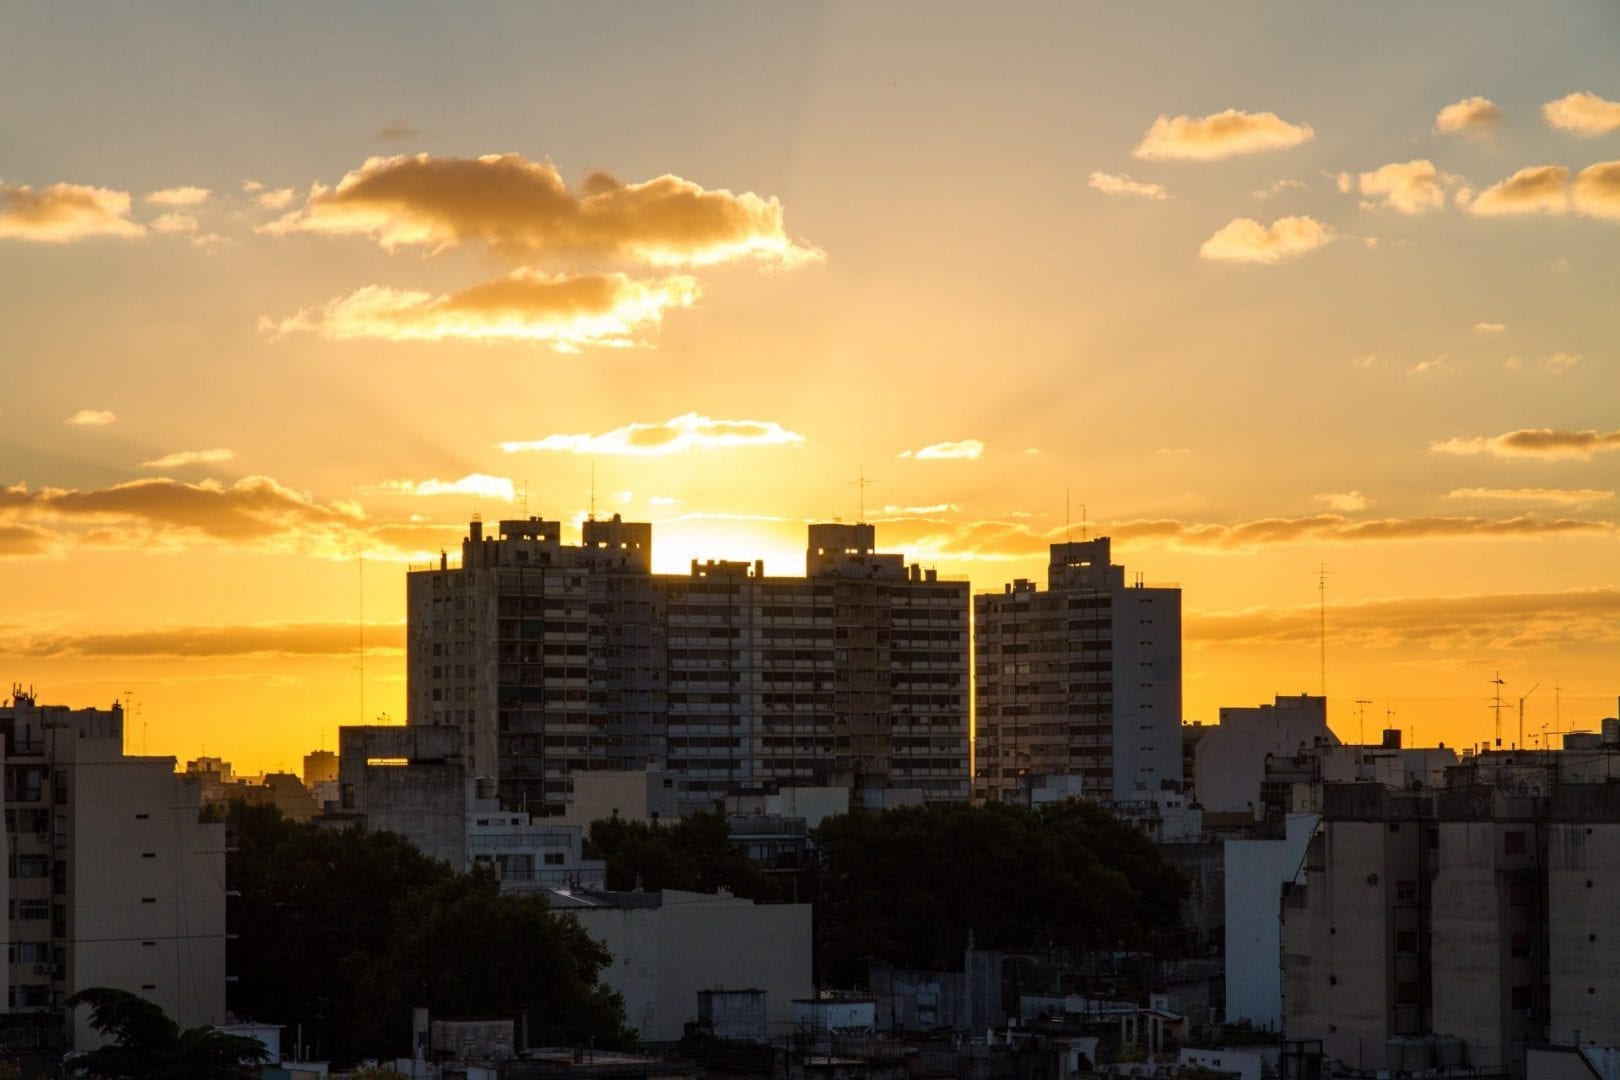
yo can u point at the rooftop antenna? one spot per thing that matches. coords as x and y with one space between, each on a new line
1527 693
593 489
1083 531
1497 708
1068 535
525 498
1361 719
360 567
862 483
1321 592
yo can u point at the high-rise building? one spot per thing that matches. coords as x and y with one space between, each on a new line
555 659
115 881
1082 680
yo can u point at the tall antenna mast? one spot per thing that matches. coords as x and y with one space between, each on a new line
862 483
525 498
593 489
1527 693
1361 719
1083 533
1497 708
1321 591
1068 534
360 566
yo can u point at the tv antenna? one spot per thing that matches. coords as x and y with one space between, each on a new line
1522 700
1321 593
1361 719
593 490
1497 708
862 483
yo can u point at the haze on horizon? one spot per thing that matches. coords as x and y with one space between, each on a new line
289 294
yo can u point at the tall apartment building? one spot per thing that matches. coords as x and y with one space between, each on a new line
556 659
114 880
1081 679
1459 926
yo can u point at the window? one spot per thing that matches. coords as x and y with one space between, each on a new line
1519 946
1519 894
1405 891
1406 993
1520 997
1513 842
1406 941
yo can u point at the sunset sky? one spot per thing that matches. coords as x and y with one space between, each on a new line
288 292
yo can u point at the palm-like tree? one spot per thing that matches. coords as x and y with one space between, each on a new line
147 1045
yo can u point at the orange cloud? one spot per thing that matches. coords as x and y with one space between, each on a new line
524 208
1479 623
564 311
1596 191
179 196
675 436
962 449
1569 496
1110 184
209 642
1538 189
26 540
475 484
92 418
1345 501
1470 116
1246 240
63 213
1412 187
1545 443
174 222
181 458
1221 135
1583 113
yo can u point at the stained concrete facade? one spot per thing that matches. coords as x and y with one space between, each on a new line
668 946
115 880
1230 758
558 659
1081 679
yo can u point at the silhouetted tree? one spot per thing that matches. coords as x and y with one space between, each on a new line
147 1045
695 853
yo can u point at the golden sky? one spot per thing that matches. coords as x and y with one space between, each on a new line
288 293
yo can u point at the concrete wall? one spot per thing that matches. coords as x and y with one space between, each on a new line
1583 891
1230 759
1147 691
634 796
662 956
1256 871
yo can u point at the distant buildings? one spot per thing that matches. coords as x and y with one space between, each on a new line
114 881
1081 680
555 659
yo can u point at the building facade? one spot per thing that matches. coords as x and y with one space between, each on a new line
556 659
114 879
1080 679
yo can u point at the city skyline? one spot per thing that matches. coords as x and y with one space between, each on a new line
1330 294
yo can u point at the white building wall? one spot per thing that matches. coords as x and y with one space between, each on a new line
1256 871
1583 893
662 957
1230 759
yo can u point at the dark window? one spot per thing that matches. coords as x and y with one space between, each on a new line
1521 997
1513 843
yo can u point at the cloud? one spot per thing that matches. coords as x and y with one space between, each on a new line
1566 496
25 541
475 484
1346 501
564 311
1596 190
1222 135
1412 187
675 436
1277 189
1583 113
929 538
963 449
1428 367
524 208
279 199
181 458
1110 184
1246 240
208 642
63 213
1538 189
395 132
179 196
1560 362
1488 328
174 222
1545 443
92 418
1470 116
1474 624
